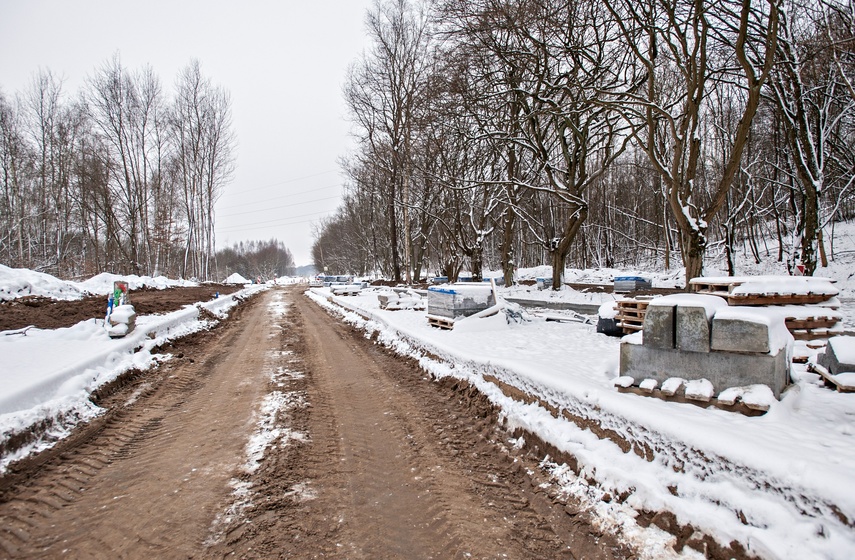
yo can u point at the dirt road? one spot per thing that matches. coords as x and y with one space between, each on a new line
285 434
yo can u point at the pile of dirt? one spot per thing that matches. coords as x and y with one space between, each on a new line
46 313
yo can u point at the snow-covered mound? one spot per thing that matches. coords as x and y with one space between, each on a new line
235 279
102 284
20 282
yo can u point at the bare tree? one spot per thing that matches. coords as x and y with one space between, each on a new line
687 48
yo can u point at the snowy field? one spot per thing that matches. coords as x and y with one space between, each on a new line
780 484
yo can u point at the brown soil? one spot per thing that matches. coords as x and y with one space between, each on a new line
376 461
46 313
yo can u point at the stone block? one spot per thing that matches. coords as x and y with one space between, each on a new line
659 326
739 335
722 369
692 329
839 356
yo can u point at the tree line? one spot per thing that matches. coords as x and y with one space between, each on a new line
264 260
121 178
509 133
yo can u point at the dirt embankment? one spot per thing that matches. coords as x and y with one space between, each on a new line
46 313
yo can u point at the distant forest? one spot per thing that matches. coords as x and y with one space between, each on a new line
265 260
121 177
614 133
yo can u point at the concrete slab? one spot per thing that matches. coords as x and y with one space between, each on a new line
659 326
722 369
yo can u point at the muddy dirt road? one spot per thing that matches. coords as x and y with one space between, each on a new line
365 457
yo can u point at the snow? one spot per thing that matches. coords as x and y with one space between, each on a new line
710 304
236 278
844 348
20 282
775 285
699 389
780 484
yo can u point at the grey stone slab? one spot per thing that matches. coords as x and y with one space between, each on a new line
835 359
692 329
739 335
722 369
659 326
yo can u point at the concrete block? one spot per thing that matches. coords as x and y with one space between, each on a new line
739 335
839 356
692 329
659 326
722 369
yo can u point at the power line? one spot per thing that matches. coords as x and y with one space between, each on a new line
276 207
260 201
276 222
289 181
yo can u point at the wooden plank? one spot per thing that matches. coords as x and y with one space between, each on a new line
810 323
739 407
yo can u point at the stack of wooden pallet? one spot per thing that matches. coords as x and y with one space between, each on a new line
810 306
630 313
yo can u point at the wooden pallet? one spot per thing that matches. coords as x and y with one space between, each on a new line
723 289
777 299
630 315
829 379
440 322
739 407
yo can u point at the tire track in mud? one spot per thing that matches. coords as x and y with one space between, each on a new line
146 478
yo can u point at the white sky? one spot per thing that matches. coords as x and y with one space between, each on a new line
283 61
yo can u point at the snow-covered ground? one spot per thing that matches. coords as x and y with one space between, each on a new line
780 484
47 375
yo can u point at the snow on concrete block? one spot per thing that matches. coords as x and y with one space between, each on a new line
839 356
121 321
659 325
699 390
648 385
748 329
623 381
671 385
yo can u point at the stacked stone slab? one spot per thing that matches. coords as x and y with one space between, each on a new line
459 300
695 336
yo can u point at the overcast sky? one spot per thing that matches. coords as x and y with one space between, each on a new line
283 61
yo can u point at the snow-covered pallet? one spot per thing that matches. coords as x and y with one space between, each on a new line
440 322
831 379
697 392
630 315
739 407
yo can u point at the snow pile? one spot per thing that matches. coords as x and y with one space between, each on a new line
102 284
236 278
20 282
